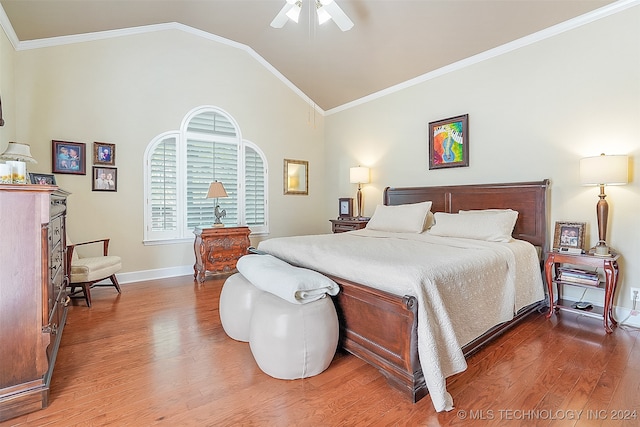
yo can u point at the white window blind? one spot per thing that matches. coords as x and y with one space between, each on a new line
180 167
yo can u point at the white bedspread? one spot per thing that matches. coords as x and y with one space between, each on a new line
464 287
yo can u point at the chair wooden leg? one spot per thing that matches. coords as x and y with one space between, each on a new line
115 282
87 293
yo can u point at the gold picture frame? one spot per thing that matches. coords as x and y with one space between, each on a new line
296 177
104 153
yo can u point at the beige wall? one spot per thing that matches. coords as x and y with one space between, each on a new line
533 113
129 89
7 91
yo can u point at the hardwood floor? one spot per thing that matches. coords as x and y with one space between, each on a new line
157 354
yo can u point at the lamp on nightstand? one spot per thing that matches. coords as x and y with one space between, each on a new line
216 189
603 170
359 175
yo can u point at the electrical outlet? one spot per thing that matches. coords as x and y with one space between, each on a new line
635 292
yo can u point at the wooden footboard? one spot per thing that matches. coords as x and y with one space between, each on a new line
381 329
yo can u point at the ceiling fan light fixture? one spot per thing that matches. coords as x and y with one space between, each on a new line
337 14
294 12
323 16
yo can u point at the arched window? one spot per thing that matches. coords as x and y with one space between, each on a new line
180 165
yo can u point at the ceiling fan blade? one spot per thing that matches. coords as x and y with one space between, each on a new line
336 13
282 18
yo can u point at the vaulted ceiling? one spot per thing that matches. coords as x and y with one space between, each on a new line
391 42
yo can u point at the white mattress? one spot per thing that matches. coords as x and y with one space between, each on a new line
464 287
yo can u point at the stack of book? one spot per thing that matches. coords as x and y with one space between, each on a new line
577 275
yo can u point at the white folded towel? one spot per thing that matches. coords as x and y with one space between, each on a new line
293 284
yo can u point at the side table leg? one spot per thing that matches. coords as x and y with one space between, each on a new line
548 268
611 276
611 282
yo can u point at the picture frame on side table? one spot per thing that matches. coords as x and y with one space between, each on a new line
569 237
105 178
69 157
449 143
345 207
104 153
42 178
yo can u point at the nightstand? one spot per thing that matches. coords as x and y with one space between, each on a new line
217 249
341 225
555 261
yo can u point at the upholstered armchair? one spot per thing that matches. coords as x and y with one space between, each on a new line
86 272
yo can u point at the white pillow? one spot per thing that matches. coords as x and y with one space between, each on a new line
490 226
409 218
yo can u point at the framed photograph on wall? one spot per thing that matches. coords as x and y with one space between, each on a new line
42 178
105 179
104 153
449 142
569 235
68 157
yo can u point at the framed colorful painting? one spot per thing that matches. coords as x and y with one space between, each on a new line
449 142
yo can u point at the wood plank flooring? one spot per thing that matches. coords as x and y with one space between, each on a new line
157 355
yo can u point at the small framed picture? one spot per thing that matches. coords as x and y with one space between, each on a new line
42 178
569 235
104 153
105 178
449 143
345 207
69 157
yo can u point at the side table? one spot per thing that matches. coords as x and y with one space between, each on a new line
610 267
217 249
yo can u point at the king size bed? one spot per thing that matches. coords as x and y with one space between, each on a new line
415 303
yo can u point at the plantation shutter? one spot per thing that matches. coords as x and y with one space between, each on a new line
212 155
254 179
163 186
180 165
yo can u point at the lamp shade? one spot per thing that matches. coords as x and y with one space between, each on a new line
216 189
359 175
19 152
604 170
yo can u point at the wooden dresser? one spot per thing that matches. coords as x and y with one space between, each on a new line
217 249
32 293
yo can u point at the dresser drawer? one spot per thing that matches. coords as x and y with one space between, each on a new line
55 232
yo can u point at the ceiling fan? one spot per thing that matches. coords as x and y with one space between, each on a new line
325 9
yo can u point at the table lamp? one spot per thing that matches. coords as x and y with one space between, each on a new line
216 190
603 170
359 175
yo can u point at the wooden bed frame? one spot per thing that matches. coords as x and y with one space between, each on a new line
381 328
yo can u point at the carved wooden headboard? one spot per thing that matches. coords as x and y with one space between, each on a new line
528 198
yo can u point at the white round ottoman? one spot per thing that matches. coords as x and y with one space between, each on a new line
237 301
291 341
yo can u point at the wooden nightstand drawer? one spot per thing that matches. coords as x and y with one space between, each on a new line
348 224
